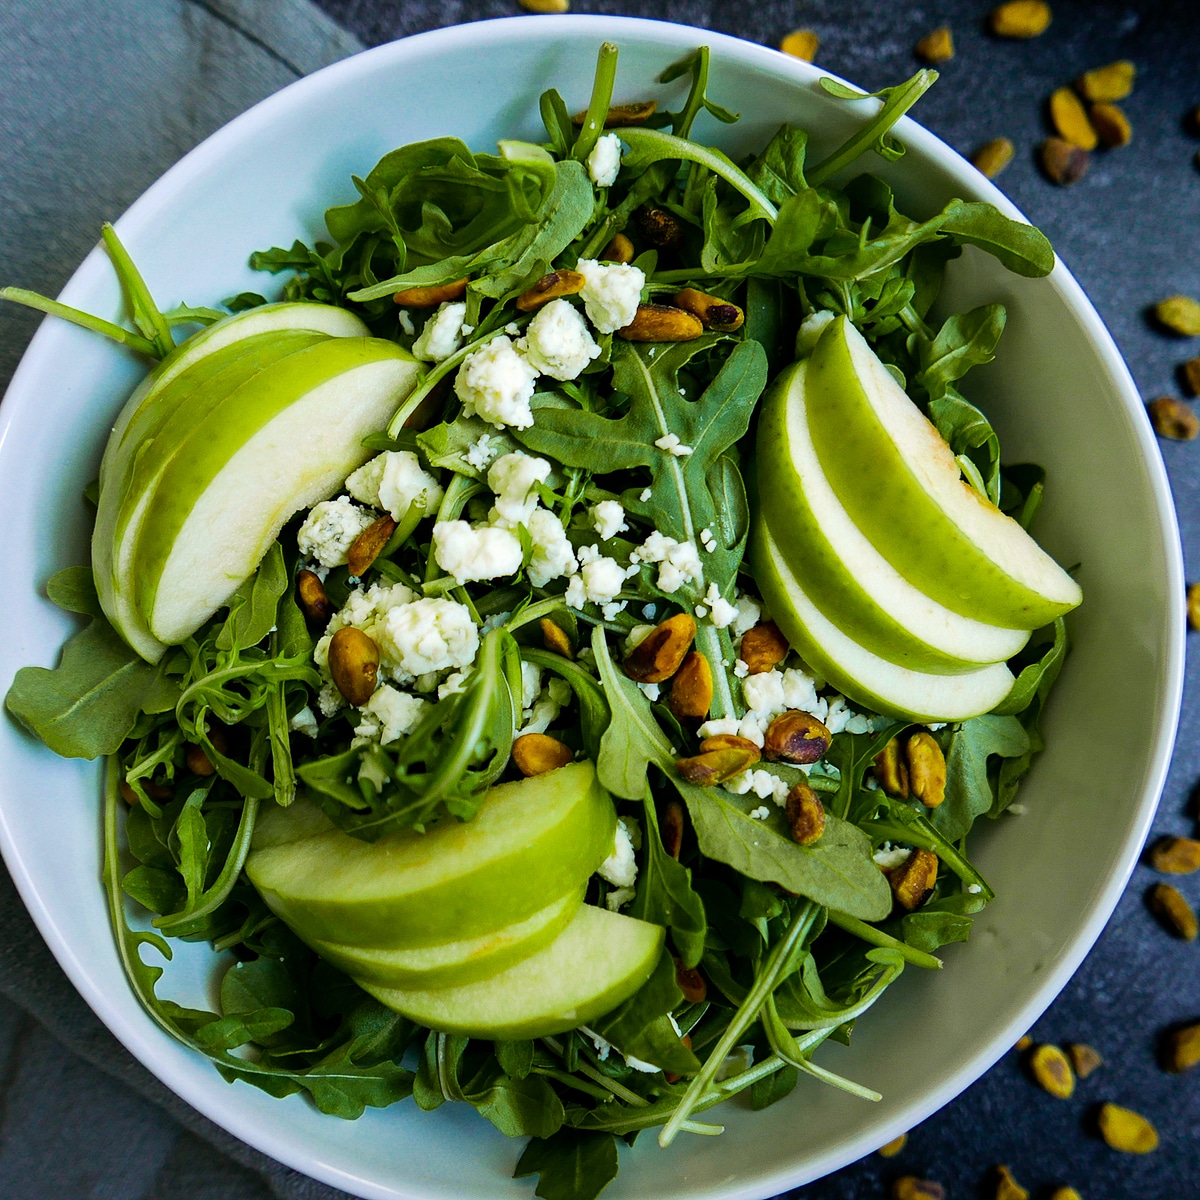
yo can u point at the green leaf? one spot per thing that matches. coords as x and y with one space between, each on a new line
594 714
515 1058
778 171
74 589
254 606
1022 248
446 445
940 922
571 1165
969 790
527 1107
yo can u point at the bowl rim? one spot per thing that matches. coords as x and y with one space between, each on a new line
135 1035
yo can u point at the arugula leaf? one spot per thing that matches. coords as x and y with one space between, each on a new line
571 1165
940 922
254 606
74 589
778 171
969 789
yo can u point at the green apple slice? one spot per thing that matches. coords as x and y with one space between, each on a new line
457 962
530 841
600 959
899 481
166 420
851 583
279 443
863 677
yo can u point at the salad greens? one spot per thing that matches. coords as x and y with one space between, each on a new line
794 942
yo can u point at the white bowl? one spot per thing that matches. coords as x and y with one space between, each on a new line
1059 394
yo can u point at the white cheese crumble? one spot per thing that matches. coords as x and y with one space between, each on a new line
620 867
749 613
496 382
651 691
672 445
974 888
604 162
406 323
443 332
305 722
679 562
557 342
514 478
329 530
611 293
889 857
608 519
764 692
395 713
645 494
392 481
553 555
761 813
481 452
474 553
427 635
602 579
723 613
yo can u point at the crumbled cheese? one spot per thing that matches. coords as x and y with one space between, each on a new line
679 564
604 162
764 692
330 528
393 480
541 715
494 622
427 635
396 712
839 717
800 691
974 888
748 615
741 668
443 332
481 452
611 293
762 784
700 611
753 729
602 578
531 683
553 556
611 610
718 727
645 495
329 699
406 324
474 553
576 594
672 445
453 685
620 867
514 478
1017 810
888 856
651 691
740 783
608 519
761 813
648 611
496 382
305 722
723 612
557 342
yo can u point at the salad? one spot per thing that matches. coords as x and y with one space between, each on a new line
555 654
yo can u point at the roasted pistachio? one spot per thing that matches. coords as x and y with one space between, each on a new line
796 737
661 323
128 794
1063 162
805 814
909 1187
1175 913
1173 419
1181 1049
892 1148
1175 855
730 741
550 287
913 879
619 250
354 664
926 768
546 6
1065 1193
691 983
1127 1131
1111 125
1071 120
936 47
801 43
197 761
622 116
154 790
431 297
310 592
366 548
554 638
660 227
1113 81
1052 1069
537 753
992 157
1007 1188
891 770
1023 1043
1189 373
714 313
1193 605
1179 314
710 767
671 829
1020 19
692 688
763 647
1084 1058
661 652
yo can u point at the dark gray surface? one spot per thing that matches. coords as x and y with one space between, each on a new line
89 1121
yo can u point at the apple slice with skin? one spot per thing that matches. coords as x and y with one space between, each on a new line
861 676
899 481
847 579
599 960
279 443
458 962
531 840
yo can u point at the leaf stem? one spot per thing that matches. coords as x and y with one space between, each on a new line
84 320
876 937
598 106
146 313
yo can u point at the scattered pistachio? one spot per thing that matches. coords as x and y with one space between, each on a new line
1111 125
1172 418
1007 1188
197 761
310 592
710 767
763 647
369 544
660 227
550 287
1175 855
937 46
692 688
128 794
619 250
1114 81
1023 1043
1181 1049
432 296
730 741
1084 1058
691 983
714 313
909 1187
892 1148
1190 374
554 638
661 652
537 753
892 771
1193 605
926 768
1052 1069
1126 1130
796 737
992 157
155 791
1065 1193
661 323
686 1043
671 829
1020 19
1071 120
1179 314
546 6
801 43
1175 913
1063 162
622 116
805 814
354 664
913 879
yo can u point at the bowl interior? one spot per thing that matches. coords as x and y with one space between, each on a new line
1059 395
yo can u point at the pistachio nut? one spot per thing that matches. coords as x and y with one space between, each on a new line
1181 1049
671 829
369 544
692 688
619 250
714 313
1020 19
796 737
691 983
891 770
1193 605
909 1187
1125 1130
892 1148
1113 81
913 880
1173 419
805 814
992 157
801 43
1052 1069
1175 855
1007 1188
550 287
763 647
1111 125
926 768
1063 161
710 767
432 296
623 116
537 753
660 227
1189 375
730 741
1179 314
661 652
1071 120
1084 1058
354 664
1175 913
555 639
936 47
661 323
310 592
